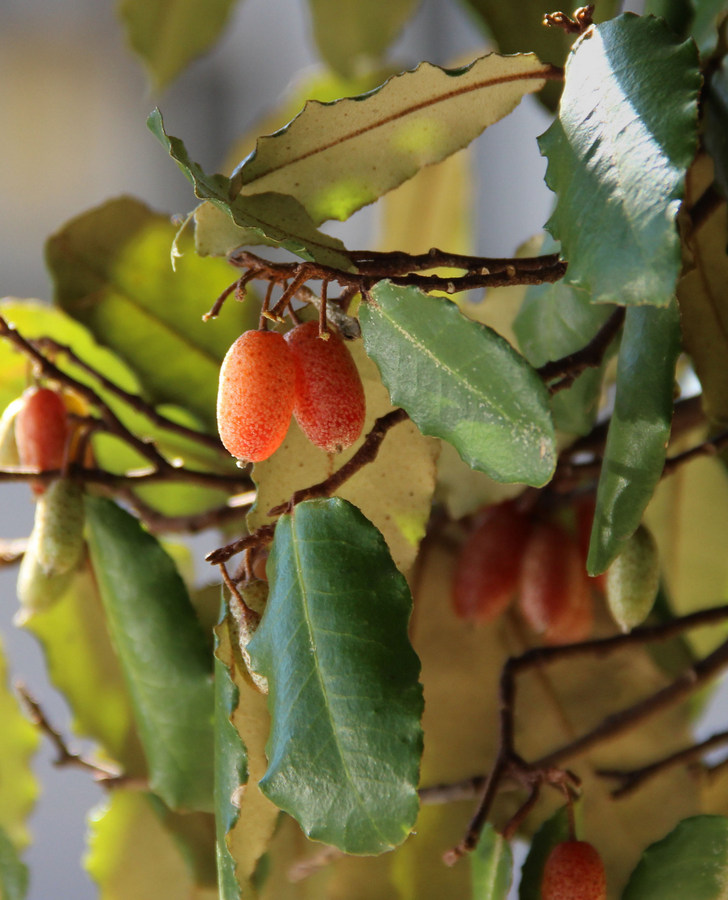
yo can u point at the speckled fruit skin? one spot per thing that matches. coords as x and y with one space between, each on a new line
574 871
329 405
255 395
633 580
488 567
555 599
41 431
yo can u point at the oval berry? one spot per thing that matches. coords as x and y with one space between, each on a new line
486 577
255 395
555 599
633 580
574 871
329 403
41 431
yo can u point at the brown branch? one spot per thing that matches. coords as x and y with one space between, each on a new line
131 478
257 538
192 523
12 550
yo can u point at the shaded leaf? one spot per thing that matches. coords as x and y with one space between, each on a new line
556 320
132 854
112 272
18 787
553 831
168 34
704 26
83 665
335 158
715 99
491 866
639 429
461 381
13 872
617 163
276 217
344 697
394 491
692 861
351 36
519 26
163 653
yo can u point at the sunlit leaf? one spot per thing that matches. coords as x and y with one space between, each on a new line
394 491
617 163
13 872
491 866
112 272
461 381
168 34
335 158
275 216
352 36
163 653
692 861
634 455
18 787
344 697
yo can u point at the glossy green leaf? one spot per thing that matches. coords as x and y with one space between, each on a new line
163 653
553 831
352 36
13 872
18 787
461 381
556 320
274 216
519 26
112 272
344 697
168 34
617 163
639 430
692 861
491 866
82 665
335 158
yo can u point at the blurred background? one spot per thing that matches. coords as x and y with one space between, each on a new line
73 105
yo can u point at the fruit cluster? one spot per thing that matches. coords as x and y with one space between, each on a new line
511 555
266 378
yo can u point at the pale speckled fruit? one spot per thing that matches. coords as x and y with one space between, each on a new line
574 871
255 395
329 403
58 527
633 580
9 455
41 431
554 594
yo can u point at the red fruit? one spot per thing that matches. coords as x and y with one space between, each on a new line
41 431
488 567
329 405
574 871
255 395
555 598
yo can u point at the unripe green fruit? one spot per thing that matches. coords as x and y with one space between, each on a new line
633 580
9 455
59 518
574 871
36 589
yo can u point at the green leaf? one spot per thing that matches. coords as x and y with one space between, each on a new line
634 455
276 217
461 381
168 34
519 26
13 872
18 787
692 861
553 831
617 163
352 36
163 653
704 26
133 854
556 320
491 866
112 272
336 157
346 741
